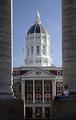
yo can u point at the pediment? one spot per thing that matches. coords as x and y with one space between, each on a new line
38 73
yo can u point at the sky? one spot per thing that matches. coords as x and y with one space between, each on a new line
24 13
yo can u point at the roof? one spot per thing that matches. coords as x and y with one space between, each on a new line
36 28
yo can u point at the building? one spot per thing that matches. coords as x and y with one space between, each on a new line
38 81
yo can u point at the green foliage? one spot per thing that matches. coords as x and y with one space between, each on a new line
16 90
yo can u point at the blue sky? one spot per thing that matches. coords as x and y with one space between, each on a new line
24 16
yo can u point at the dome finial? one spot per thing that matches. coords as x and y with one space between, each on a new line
38 14
37 20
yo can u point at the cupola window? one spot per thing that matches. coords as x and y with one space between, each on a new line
32 50
38 50
28 51
44 50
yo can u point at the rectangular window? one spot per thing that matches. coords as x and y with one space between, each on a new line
38 50
48 87
32 50
38 87
28 87
44 50
28 51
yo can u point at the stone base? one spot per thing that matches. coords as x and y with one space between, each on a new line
64 109
11 109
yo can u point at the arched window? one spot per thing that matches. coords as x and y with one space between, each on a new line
38 98
47 97
59 87
29 97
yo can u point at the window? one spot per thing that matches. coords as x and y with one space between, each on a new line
38 72
59 87
47 97
38 50
46 61
29 98
38 97
37 37
27 111
37 61
32 50
38 87
44 50
47 112
29 87
30 61
58 72
28 51
48 87
44 39
31 37
38 112
44 36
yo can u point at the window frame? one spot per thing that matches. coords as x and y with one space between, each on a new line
32 50
44 50
38 98
29 98
29 87
47 87
47 97
38 87
38 49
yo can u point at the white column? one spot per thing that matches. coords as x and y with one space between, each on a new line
33 91
53 88
33 112
43 112
23 92
23 89
43 91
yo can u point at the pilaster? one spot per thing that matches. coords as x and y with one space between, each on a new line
33 91
53 88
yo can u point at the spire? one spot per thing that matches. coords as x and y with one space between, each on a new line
38 14
37 20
